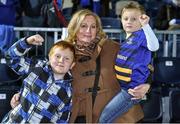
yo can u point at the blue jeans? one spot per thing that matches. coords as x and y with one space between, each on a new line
120 104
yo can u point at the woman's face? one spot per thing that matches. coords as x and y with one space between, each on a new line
88 30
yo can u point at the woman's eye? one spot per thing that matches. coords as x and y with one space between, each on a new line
83 26
94 26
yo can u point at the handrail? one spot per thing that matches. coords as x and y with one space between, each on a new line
112 33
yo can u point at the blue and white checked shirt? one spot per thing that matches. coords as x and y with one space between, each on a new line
43 99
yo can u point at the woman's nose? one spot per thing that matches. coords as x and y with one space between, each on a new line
88 29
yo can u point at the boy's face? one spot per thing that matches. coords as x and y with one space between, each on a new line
130 20
61 60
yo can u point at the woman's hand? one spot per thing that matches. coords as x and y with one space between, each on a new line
15 100
35 39
139 91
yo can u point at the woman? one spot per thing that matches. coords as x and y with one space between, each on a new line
92 46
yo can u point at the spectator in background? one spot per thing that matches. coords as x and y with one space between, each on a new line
7 23
52 13
104 10
119 6
8 12
42 13
168 16
80 4
100 7
31 12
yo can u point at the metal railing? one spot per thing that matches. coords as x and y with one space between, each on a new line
51 35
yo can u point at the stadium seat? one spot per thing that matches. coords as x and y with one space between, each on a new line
152 106
167 71
174 105
67 12
8 76
110 23
10 84
178 49
6 93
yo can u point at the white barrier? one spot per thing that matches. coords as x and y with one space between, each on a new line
165 37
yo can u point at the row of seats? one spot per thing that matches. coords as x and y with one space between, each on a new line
10 84
159 110
163 102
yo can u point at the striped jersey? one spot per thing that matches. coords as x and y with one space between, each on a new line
131 64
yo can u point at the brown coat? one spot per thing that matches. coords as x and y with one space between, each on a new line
82 100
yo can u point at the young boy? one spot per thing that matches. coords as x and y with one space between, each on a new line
46 93
132 60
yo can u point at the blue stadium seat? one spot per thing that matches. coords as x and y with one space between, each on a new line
174 96
152 107
178 49
110 23
8 76
6 93
10 84
167 71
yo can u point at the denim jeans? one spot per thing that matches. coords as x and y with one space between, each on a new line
120 104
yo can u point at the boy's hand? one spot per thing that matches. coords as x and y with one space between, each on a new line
35 40
144 19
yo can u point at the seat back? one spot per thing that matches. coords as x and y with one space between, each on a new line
110 23
8 76
174 97
167 70
6 93
10 84
152 106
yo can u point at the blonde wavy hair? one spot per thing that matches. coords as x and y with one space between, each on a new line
75 23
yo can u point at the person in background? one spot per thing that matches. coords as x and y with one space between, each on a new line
7 22
168 17
100 7
133 58
46 95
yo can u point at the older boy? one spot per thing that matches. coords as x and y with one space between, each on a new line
46 93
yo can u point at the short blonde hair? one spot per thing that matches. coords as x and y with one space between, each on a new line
64 45
133 5
75 23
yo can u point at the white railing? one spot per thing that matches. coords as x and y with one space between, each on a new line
53 34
